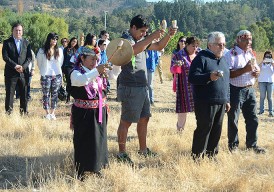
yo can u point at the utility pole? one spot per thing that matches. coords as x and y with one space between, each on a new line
20 7
105 19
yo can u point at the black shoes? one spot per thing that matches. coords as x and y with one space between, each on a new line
233 149
147 153
257 149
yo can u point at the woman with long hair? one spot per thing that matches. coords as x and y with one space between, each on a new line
181 43
180 64
50 60
90 40
67 67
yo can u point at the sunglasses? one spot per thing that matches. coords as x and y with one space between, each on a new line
182 40
220 44
64 41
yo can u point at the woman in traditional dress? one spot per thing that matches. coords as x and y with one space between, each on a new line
180 45
89 113
180 64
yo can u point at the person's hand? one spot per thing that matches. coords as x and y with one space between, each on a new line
157 34
19 68
227 107
214 76
249 67
172 31
255 73
32 72
101 69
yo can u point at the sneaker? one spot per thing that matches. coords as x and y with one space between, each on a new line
48 116
53 117
124 158
260 113
270 115
257 149
147 153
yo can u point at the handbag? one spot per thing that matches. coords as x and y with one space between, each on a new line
62 93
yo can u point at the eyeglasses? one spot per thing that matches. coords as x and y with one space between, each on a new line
64 41
220 44
182 40
268 56
55 39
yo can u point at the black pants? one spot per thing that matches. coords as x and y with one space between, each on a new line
10 84
242 99
67 71
209 118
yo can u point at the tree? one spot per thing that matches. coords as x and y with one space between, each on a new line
260 41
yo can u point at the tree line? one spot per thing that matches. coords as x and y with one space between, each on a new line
193 18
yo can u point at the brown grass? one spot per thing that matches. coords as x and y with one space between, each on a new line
37 155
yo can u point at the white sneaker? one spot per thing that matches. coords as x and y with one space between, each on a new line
48 116
53 117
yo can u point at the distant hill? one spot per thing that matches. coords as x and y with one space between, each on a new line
87 7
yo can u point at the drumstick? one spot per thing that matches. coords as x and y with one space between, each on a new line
119 47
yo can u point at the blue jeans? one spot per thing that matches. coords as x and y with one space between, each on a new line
150 77
242 99
266 88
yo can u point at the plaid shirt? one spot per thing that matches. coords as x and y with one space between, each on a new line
236 59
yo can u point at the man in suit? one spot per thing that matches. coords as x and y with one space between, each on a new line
16 53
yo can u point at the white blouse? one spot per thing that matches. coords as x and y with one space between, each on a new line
52 66
78 79
267 73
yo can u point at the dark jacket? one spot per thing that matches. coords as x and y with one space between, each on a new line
205 90
12 58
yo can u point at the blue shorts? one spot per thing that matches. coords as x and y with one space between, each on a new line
135 103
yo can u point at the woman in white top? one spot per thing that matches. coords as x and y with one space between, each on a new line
266 79
50 59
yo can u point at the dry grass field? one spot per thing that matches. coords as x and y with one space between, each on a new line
37 154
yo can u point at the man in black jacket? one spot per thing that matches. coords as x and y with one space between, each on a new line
16 53
209 75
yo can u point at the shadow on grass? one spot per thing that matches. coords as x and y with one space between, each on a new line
30 172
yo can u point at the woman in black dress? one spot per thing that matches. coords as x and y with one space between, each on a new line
89 113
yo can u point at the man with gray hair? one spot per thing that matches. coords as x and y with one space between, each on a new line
243 72
209 75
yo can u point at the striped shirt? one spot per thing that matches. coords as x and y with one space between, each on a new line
236 59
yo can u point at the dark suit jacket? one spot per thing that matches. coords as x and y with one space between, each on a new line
12 58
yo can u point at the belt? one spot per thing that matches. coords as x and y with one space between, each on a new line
88 104
247 86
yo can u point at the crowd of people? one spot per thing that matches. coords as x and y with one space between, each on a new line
209 82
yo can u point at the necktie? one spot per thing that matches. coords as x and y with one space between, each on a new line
18 45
